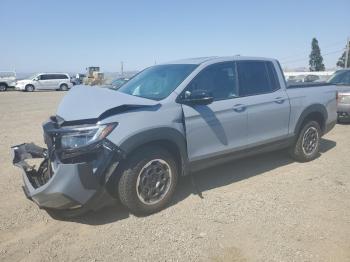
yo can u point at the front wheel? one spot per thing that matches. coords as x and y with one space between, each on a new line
3 87
307 146
29 88
148 180
63 87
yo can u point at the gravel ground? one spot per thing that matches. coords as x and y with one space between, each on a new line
265 208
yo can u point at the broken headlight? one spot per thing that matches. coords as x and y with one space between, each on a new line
76 137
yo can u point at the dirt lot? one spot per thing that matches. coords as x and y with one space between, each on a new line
265 208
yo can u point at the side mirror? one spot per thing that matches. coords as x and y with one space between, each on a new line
35 79
197 97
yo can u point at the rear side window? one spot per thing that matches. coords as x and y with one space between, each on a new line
52 77
61 77
256 77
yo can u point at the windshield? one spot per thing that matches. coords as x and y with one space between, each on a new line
157 82
340 78
32 77
118 83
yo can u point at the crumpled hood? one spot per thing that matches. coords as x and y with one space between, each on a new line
86 102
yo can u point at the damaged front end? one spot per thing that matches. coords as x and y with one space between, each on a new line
75 167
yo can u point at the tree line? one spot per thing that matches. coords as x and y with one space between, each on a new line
316 59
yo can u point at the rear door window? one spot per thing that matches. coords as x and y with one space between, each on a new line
55 77
61 76
256 77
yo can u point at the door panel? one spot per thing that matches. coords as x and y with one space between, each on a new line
45 82
268 117
221 126
268 107
215 129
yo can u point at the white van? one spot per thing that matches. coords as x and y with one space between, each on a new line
45 81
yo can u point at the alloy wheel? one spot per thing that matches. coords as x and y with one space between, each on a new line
310 141
154 181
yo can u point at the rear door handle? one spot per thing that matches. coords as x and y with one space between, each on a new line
239 108
279 100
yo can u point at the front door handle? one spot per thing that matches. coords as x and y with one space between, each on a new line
279 100
239 108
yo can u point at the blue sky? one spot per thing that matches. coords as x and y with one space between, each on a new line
71 35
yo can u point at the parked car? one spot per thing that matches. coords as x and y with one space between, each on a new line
116 83
307 78
341 79
45 81
168 121
7 79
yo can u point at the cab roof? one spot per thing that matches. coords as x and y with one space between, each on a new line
213 59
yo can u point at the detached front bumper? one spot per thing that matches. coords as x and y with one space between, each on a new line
58 185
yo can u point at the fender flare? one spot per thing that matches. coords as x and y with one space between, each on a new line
315 108
172 135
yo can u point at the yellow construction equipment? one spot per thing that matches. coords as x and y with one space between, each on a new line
93 76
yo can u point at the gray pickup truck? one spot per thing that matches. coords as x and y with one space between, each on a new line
168 121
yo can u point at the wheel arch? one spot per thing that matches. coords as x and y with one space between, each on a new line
166 137
317 112
25 87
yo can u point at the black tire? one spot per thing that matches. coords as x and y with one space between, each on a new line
3 87
149 157
63 87
30 88
304 151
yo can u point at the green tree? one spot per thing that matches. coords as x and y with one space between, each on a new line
341 60
316 59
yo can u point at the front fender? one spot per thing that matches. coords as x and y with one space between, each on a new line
157 135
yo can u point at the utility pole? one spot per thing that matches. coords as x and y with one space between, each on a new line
347 53
122 68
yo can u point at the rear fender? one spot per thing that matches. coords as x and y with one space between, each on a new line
315 108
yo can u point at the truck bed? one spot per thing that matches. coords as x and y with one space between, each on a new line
305 85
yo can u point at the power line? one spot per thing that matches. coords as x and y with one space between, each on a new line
325 46
307 58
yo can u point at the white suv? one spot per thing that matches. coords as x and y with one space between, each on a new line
7 79
45 81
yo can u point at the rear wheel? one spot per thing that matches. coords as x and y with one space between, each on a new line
63 87
30 88
3 87
148 180
307 146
